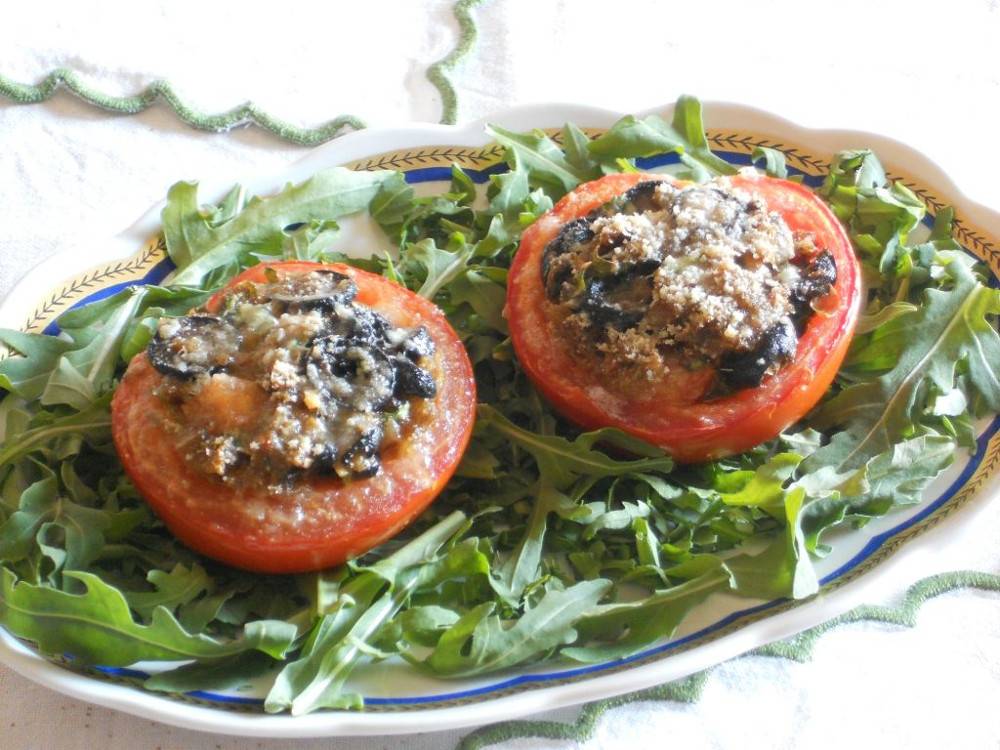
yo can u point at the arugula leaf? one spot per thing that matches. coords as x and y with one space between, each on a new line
226 673
27 374
462 186
545 162
316 679
198 245
96 627
85 373
478 642
685 135
950 327
766 483
41 510
646 543
889 480
15 417
561 460
392 203
509 190
601 518
342 637
180 586
424 625
66 385
478 462
477 289
879 214
93 423
869 322
774 161
441 265
522 567
310 241
783 568
622 629
576 146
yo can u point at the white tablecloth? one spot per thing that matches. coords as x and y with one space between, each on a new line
925 73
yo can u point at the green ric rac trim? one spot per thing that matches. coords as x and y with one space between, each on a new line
437 73
248 113
687 690
245 114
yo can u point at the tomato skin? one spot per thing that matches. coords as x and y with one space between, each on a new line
214 518
691 431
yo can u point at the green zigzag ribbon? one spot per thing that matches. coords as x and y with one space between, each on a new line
438 72
248 113
688 690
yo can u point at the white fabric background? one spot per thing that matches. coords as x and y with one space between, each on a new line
925 73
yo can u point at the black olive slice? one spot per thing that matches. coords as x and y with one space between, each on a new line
367 326
191 346
640 198
641 268
747 369
412 380
362 459
818 277
315 289
602 311
418 344
353 372
572 234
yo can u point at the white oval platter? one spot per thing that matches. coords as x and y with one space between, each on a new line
402 702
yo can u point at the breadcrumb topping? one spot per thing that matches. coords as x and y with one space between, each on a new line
291 376
699 271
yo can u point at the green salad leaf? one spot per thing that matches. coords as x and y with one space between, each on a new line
96 627
481 642
773 160
342 636
27 374
561 461
617 630
182 585
652 135
42 513
926 347
201 243
891 479
544 160
549 542
54 436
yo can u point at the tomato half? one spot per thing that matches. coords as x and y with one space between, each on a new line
323 521
667 415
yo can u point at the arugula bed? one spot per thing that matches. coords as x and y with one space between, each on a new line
548 543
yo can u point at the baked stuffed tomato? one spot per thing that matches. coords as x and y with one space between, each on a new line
702 318
307 413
